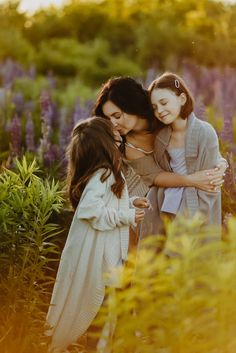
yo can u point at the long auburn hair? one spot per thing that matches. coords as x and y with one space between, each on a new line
92 147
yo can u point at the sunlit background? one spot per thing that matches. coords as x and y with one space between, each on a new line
34 5
54 57
31 6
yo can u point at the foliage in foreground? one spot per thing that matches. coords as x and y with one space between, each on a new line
182 300
26 251
179 301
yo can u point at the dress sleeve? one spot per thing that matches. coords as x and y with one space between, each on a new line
140 174
93 209
136 185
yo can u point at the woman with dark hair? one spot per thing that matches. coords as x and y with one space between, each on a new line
126 103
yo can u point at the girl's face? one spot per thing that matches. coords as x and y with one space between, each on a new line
122 121
167 105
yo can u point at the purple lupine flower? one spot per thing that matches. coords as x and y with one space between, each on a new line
15 135
206 86
29 134
32 72
200 109
218 99
65 130
227 133
229 87
150 76
50 155
189 78
3 94
11 71
227 107
78 112
55 116
46 107
18 101
88 108
46 117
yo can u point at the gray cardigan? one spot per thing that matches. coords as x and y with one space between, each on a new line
201 152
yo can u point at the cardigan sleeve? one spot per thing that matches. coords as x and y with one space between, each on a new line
210 154
93 209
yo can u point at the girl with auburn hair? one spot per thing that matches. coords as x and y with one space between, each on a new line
98 238
127 104
184 145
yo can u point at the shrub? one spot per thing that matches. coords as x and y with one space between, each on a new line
181 300
26 252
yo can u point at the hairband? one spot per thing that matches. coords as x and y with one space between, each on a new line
177 84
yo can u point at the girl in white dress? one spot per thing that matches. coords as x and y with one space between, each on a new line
98 238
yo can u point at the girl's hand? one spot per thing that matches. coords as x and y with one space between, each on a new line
222 166
207 180
141 202
139 215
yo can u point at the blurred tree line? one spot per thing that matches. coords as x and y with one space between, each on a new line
98 39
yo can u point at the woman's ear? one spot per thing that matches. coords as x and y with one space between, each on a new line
183 98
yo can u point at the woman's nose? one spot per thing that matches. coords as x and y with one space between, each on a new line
114 122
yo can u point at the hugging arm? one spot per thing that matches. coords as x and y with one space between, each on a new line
207 179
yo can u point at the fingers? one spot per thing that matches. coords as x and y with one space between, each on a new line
217 182
139 215
211 188
142 202
215 173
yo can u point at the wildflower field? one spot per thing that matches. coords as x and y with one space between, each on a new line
52 65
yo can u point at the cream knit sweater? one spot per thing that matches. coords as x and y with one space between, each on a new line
97 242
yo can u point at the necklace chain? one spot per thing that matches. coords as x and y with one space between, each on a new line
128 144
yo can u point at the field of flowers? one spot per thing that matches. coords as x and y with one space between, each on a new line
51 65
37 114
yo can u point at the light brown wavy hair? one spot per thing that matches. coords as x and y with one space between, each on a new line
92 147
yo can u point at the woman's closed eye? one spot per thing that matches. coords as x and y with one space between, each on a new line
116 115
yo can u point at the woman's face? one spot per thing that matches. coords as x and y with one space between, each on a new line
122 121
167 105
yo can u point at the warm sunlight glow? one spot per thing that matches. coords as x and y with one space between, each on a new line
33 5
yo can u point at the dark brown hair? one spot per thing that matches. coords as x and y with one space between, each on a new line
176 84
92 147
128 95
